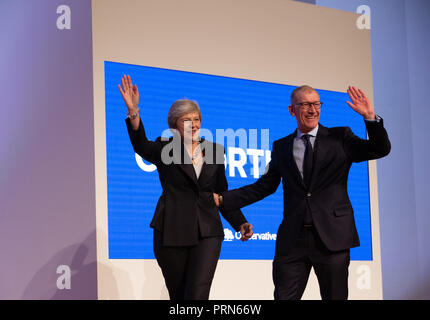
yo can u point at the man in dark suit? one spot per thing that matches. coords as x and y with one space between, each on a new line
318 227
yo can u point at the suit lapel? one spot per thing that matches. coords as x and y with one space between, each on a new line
209 157
319 152
318 155
186 164
291 162
206 155
209 160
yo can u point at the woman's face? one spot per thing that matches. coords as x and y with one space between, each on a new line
189 126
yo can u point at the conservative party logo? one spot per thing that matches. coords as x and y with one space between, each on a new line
229 236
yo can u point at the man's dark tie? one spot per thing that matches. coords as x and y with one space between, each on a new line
307 172
307 160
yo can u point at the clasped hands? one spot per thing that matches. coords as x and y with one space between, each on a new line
245 228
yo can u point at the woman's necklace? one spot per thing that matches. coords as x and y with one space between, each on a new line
196 154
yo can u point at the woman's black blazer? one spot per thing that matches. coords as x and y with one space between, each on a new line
186 210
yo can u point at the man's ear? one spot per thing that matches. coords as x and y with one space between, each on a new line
292 110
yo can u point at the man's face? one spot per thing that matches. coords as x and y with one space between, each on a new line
307 117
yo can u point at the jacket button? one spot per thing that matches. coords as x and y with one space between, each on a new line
309 194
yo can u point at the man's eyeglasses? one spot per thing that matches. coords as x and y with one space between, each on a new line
307 105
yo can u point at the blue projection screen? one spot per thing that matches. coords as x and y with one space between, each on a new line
255 110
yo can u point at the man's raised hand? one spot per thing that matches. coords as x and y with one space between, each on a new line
360 103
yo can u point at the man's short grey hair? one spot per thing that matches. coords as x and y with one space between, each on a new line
305 88
181 107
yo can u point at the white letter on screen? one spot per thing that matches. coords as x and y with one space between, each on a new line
233 163
255 153
268 158
142 165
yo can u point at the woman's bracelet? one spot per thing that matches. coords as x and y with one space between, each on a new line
133 115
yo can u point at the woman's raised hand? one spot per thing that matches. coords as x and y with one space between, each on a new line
129 93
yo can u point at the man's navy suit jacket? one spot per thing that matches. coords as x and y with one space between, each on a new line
335 149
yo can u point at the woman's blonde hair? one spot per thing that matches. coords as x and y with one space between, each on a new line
181 107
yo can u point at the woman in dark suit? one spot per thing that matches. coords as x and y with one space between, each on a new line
187 227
